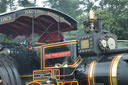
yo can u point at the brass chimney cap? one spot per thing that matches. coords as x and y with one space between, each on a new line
92 18
91 15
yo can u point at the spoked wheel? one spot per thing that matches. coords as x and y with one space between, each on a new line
8 72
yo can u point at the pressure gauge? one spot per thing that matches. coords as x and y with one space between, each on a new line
107 42
104 43
111 43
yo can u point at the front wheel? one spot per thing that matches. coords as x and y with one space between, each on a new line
8 71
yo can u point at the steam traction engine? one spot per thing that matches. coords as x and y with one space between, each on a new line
91 59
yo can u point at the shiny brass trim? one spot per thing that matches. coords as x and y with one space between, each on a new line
114 70
94 73
91 73
33 82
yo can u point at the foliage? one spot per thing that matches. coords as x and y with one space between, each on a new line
26 3
11 4
70 7
109 22
3 5
119 10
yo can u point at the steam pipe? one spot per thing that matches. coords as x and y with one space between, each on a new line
116 51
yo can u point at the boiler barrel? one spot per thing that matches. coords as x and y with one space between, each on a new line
110 72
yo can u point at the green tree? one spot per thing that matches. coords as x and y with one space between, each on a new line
119 10
27 3
11 5
70 7
109 22
7 4
3 6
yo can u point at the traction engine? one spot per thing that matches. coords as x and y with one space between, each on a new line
92 59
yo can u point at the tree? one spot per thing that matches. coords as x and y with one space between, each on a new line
7 5
11 5
3 5
119 10
27 3
70 7
110 23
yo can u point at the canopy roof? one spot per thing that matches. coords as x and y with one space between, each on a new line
44 19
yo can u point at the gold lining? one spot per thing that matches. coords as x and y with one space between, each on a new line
55 45
58 83
58 43
114 70
33 82
91 73
55 75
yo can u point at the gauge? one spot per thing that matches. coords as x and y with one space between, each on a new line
111 43
104 43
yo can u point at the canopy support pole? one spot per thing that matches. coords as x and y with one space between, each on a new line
59 29
33 28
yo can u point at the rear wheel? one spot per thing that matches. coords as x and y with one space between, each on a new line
8 72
